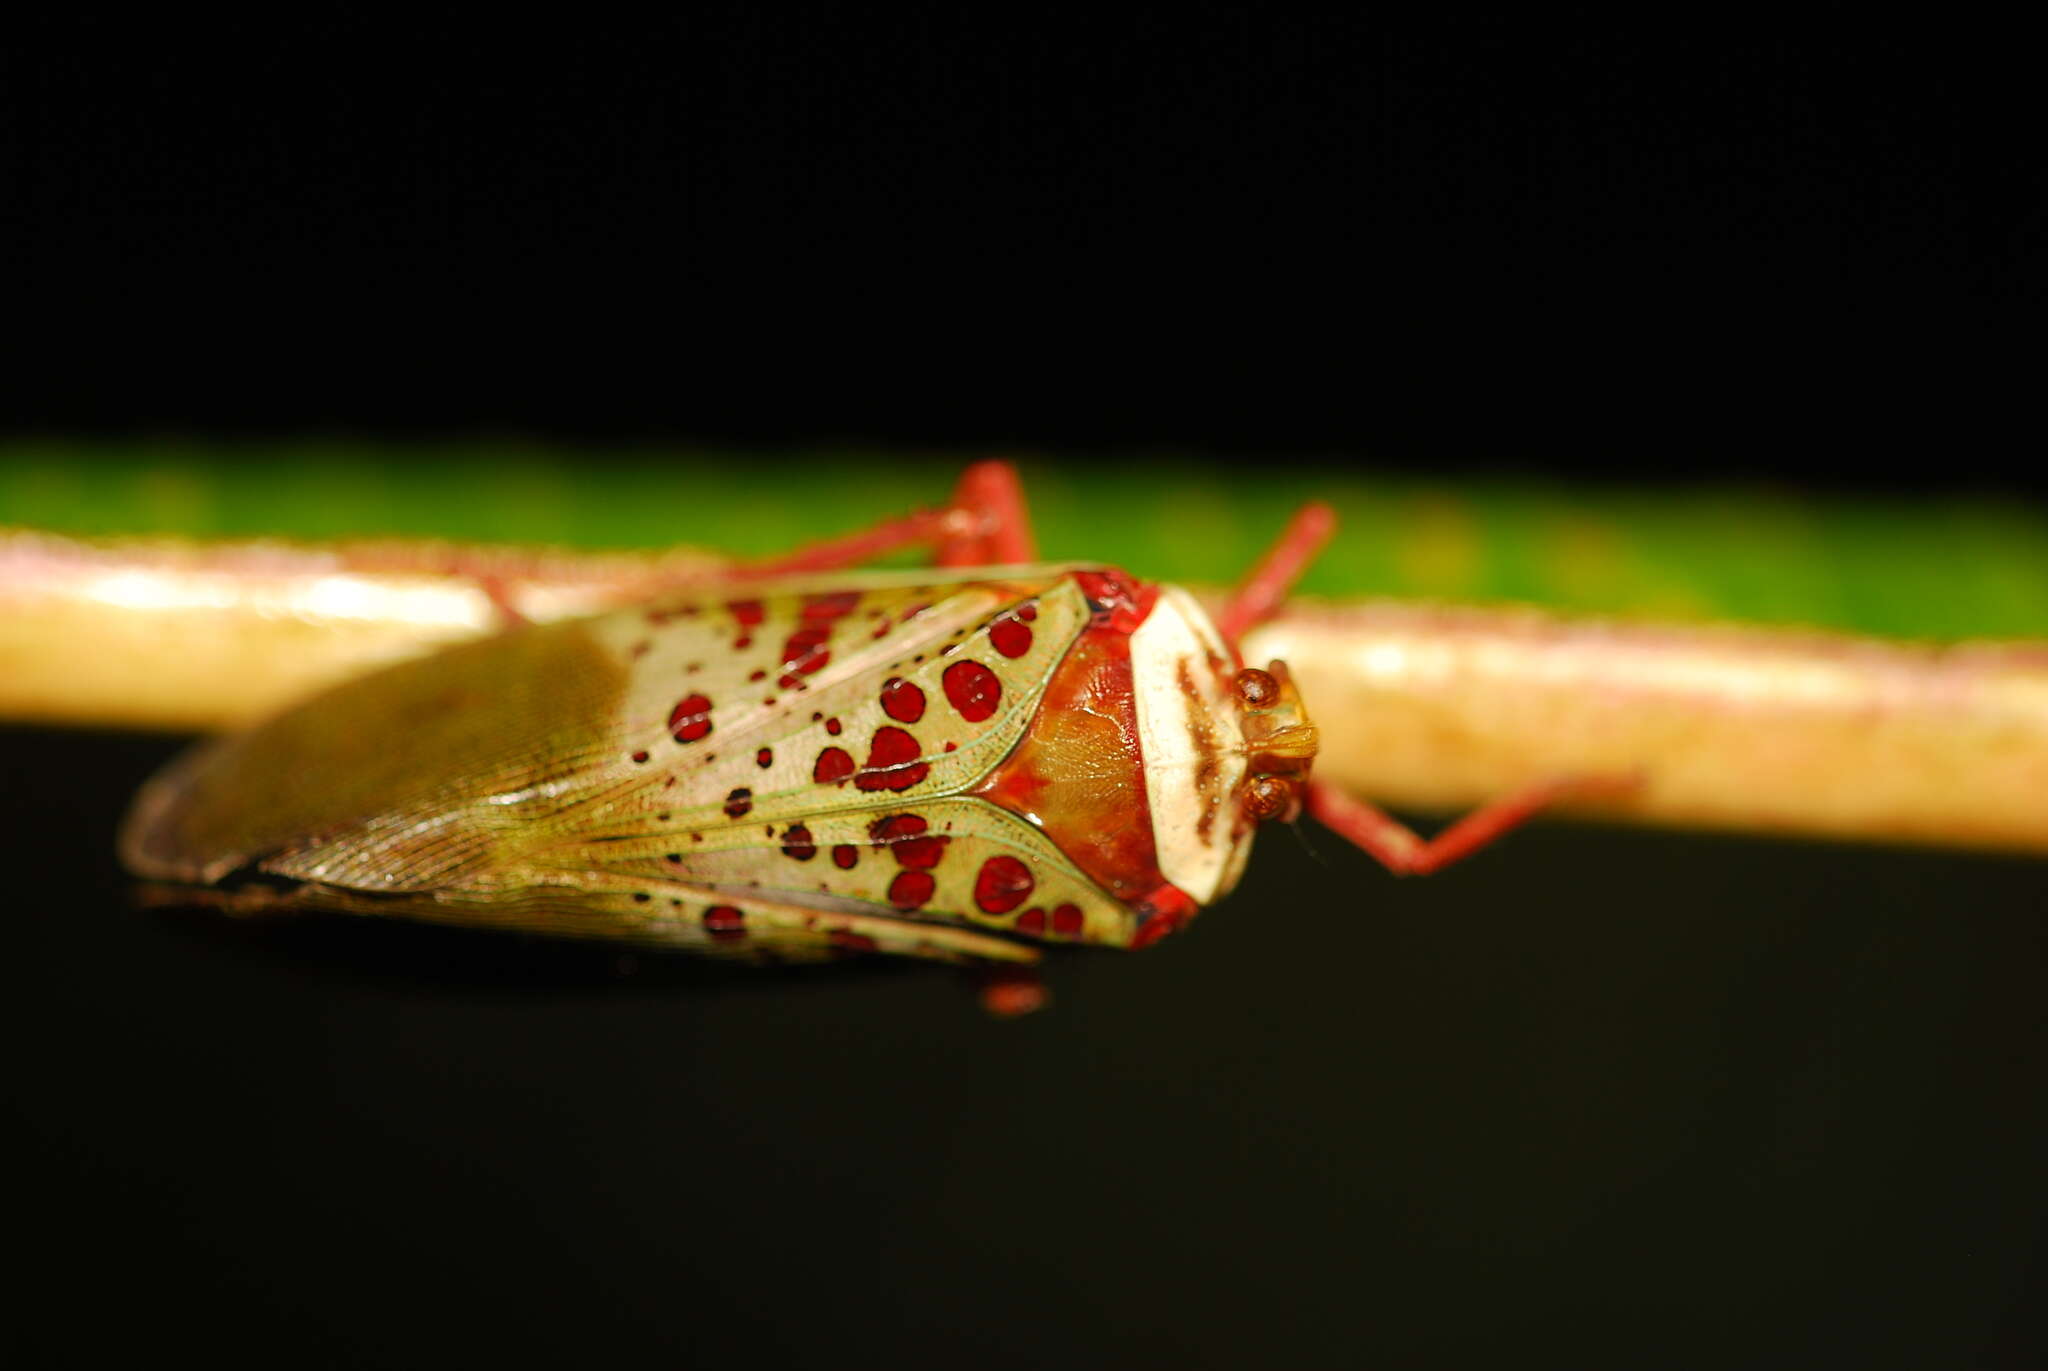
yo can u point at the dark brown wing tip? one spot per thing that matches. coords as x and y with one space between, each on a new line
150 841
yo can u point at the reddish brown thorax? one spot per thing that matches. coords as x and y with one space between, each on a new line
1079 772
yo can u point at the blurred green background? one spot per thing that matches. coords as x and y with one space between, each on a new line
1950 566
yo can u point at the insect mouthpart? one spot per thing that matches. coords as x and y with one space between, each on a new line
1279 742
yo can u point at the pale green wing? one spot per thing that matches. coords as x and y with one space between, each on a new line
551 775
665 914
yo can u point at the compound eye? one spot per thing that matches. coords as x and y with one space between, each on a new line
1257 688
1267 797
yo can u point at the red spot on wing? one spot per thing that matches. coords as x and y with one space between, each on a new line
640 756
690 720
905 835
725 922
765 757
893 762
1010 636
835 764
1066 920
972 689
832 726
844 855
748 613
804 653
1031 921
850 941
1002 884
902 701
911 889
738 803
797 843
830 606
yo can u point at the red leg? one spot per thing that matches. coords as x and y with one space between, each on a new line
500 596
1261 592
1398 848
1010 992
925 526
985 525
992 496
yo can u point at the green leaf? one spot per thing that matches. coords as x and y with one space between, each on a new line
1945 568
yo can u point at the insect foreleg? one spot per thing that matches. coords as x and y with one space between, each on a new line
1258 596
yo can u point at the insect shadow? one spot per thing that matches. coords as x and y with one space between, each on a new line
406 956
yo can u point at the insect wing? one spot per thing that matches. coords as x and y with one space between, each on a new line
732 773
415 778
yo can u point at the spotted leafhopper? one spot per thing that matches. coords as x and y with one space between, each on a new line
798 761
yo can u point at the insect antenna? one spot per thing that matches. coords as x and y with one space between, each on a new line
1315 854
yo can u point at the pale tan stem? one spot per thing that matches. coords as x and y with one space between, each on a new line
169 634
1438 708
1420 707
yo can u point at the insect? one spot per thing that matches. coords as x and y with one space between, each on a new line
800 762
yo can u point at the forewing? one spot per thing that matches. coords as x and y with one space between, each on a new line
958 860
813 701
412 778
677 916
699 744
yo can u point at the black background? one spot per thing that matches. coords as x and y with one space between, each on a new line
1801 247
1679 1100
